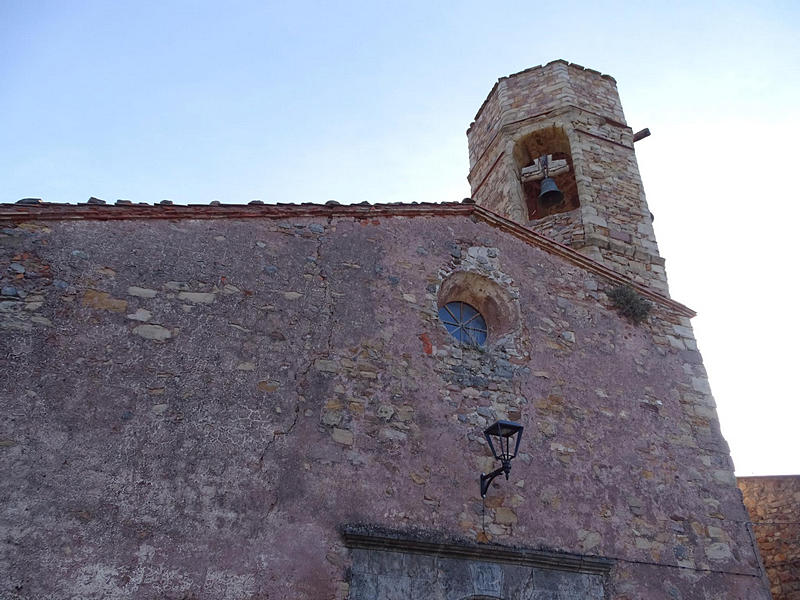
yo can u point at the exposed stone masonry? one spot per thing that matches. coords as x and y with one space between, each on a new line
613 223
774 507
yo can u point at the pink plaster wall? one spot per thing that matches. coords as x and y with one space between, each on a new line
192 408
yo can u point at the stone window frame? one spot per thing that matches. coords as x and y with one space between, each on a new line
495 304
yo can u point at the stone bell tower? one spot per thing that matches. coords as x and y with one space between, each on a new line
565 121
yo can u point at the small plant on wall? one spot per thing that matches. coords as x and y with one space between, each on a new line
629 303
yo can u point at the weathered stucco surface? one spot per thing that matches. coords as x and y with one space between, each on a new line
192 408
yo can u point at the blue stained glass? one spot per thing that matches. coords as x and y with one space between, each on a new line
453 329
464 323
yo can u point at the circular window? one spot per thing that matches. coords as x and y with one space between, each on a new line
464 323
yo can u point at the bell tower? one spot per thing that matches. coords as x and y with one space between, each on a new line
561 126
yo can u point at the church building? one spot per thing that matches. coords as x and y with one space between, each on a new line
488 399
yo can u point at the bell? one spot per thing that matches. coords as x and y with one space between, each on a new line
550 194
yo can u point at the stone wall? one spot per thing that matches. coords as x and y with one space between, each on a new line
613 224
389 566
195 406
774 507
537 91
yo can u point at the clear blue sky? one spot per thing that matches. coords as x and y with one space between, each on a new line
305 102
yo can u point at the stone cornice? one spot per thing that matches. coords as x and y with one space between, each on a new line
113 212
390 541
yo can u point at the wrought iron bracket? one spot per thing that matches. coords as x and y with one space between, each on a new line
486 480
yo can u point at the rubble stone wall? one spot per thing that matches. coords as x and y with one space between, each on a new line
774 507
194 408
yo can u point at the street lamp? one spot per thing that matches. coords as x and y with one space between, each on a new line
501 433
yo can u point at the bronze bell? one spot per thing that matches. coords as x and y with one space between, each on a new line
550 195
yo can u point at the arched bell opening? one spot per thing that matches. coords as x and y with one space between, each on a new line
546 173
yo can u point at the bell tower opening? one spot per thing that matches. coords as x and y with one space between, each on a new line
546 173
